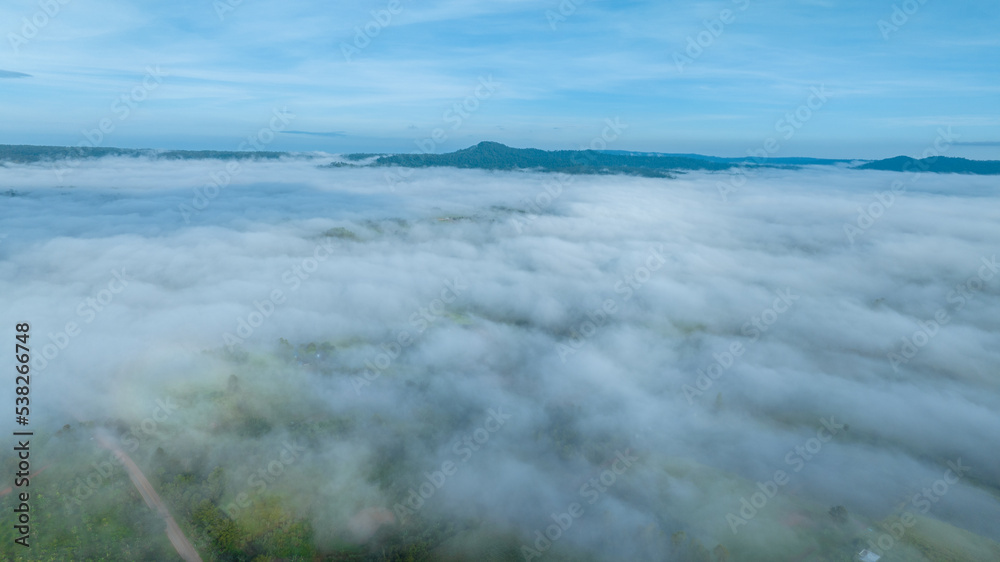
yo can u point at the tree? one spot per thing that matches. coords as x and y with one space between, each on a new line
839 514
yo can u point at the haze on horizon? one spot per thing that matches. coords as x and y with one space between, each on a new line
822 302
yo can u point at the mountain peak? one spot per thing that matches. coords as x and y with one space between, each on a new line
490 146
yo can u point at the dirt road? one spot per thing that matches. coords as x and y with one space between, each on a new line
152 499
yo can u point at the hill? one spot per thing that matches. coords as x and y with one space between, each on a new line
771 161
26 154
496 156
938 165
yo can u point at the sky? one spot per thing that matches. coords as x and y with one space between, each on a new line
717 78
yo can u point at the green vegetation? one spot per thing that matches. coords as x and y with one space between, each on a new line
83 509
342 233
495 156
693 550
26 154
935 164
361 156
773 161
236 409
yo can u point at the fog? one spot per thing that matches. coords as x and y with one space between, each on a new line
690 337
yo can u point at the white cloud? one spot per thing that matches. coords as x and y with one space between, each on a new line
497 344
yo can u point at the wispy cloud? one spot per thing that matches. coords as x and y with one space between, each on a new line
317 133
979 143
603 60
11 74
942 120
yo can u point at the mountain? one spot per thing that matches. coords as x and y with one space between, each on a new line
936 164
496 156
26 154
790 161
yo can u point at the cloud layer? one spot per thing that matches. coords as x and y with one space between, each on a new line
713 341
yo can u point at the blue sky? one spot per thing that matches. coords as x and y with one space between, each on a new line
558 72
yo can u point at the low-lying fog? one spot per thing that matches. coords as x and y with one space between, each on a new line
824 322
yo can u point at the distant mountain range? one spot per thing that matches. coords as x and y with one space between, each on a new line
26 154
496 156
747 159
940 165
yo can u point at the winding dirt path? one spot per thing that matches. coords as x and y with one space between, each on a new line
152 499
